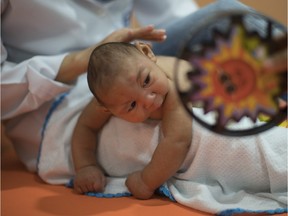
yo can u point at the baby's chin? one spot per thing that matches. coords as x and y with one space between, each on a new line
135 120
153 116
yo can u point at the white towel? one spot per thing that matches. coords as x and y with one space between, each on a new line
219 172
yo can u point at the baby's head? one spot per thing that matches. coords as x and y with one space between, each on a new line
125 79
106 63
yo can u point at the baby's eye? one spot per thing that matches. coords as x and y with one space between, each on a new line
132 106
146 81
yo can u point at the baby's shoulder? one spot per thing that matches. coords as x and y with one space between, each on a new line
172 65
167 64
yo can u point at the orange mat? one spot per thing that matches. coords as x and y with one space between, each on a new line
24 193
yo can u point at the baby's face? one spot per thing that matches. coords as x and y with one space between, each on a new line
139 90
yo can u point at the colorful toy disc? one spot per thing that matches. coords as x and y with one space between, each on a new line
229 81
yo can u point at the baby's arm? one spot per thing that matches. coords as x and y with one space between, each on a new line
88 174
169 154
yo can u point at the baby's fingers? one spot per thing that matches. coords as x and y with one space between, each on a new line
98 187
91 187
80 189
98 184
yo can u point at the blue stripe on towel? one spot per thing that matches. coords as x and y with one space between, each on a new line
231 212
53 107
108 195
162 190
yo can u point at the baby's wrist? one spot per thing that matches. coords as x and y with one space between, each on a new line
145 182
86 166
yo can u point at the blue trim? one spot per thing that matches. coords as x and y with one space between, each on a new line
53 107
164 191
231 212
70 184
108 195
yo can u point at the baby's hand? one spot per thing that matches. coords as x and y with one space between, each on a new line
137 186
89 179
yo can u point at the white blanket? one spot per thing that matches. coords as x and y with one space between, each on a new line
219 173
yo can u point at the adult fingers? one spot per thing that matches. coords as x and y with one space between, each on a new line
148 33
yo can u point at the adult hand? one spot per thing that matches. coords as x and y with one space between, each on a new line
142 33
76 63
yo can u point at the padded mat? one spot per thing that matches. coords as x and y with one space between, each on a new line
24 193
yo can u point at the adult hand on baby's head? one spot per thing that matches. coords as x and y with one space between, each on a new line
89 179
76 63
141 33
137 186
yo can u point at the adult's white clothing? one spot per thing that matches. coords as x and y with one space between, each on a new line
52 28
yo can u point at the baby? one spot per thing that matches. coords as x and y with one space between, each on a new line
131 83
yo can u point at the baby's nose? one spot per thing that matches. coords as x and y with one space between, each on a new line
149 99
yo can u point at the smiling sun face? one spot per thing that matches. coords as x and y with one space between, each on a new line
232 80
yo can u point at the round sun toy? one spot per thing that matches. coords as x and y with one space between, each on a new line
230 89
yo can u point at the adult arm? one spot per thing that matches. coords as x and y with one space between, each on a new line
31 83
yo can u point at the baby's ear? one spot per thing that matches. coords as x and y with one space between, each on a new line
146 50
103 109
